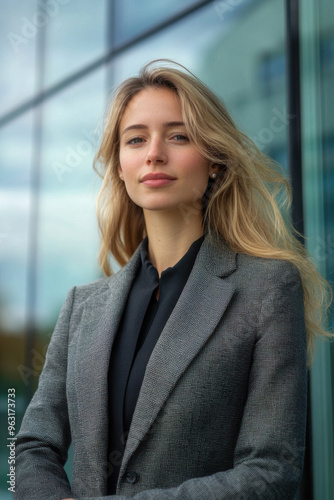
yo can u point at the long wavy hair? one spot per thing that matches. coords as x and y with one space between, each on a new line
247 205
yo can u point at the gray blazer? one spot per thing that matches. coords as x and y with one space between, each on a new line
222 408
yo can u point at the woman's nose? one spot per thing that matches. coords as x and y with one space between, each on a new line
156 152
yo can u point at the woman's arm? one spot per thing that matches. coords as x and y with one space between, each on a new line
44 437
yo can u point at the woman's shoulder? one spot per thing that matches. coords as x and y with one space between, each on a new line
267 273
246 265
266 265
101 286
84 292
92 287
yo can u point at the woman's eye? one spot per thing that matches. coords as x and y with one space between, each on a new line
180 137
135 140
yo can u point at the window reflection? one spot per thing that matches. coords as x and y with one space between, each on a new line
68 237
238 49
134 18
224 56
18 46
75 36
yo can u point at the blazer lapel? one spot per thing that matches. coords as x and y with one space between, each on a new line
194 318
101 318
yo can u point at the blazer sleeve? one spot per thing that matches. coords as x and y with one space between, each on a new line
44 437
269 454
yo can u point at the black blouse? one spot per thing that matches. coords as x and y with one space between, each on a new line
143 320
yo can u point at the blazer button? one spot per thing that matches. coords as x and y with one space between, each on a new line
131 477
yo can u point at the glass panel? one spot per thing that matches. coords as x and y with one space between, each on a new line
67 243
75 36
16 154
15 160
68 237
17 57
247 72
317 22
133 18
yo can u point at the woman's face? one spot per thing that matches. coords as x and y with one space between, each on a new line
161 168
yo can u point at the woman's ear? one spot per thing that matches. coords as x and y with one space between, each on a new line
213 170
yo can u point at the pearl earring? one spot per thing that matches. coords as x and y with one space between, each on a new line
214 175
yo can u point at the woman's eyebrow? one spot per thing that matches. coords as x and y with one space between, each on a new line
173 124
134 127
142 126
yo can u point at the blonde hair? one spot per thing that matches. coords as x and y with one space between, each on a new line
248 204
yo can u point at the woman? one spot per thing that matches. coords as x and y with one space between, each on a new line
182 376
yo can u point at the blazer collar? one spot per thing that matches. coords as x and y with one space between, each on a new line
217 257
199 309
214 254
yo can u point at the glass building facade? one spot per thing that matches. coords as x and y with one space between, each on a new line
60 60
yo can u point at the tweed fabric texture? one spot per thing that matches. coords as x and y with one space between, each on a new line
222 409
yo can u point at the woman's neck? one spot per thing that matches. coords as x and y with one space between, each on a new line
169 238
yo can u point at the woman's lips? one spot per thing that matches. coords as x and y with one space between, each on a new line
156 180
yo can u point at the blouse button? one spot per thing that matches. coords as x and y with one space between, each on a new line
131 477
